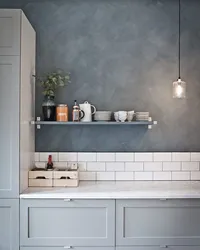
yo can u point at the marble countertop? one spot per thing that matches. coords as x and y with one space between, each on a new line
119 190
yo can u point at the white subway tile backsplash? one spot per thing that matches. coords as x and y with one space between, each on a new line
87 157
181 156
143 157
195 176
96 166
171 166
105 176
190 166
37 156
152 166
115 166
82 166
143 176
162 176
124 157
134 166
87 176
40 164
106 157
179 176
59 164
195 156
162 156
128 166
67 157
44 156
124 176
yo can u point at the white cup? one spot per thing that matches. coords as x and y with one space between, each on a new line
122 116
130 115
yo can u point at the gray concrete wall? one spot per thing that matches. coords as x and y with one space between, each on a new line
123 55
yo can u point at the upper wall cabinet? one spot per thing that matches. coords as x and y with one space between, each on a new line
17 65
9 132
10 32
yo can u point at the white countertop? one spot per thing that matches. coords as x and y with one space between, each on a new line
119 190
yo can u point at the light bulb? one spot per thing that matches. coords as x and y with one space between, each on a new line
179 89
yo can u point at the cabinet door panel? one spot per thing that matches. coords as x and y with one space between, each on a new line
10 32
9 132
9 224
65 247
158 248
72 223
155 222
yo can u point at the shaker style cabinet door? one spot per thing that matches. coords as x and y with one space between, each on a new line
10 32
9 132
70 223
157 248
9 224
74 248
158 223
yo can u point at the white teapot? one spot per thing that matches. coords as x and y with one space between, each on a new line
87 108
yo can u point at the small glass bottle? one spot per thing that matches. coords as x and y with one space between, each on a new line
49 166
76 112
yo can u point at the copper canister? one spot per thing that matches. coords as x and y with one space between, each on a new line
62 113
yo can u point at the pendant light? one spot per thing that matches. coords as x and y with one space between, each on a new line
179 86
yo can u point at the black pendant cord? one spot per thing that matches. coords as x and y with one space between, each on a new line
179 42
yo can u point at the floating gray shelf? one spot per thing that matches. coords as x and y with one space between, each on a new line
38 123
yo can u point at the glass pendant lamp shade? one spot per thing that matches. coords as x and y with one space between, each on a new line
179 89
179 86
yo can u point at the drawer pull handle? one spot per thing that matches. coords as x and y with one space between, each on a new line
163 246
41 177
63 178
67 247
67 200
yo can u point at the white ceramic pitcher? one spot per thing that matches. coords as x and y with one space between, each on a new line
87 108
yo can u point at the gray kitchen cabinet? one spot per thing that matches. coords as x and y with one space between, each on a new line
9 132
157 223
157 248
10 32
9 224
73 248
17 65
67 222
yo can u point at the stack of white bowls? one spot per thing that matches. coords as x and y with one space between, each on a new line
142 116
102 116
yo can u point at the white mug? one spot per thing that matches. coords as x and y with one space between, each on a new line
87 108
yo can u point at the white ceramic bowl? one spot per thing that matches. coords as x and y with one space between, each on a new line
102 116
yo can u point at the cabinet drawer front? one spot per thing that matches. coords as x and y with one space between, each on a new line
158 248
9 224
156 222
10 32
64 222
68 247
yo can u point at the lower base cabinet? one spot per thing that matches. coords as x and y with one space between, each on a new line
159 248
67 223
9 224
52 224
64 248
158 223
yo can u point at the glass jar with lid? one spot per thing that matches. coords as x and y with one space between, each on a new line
62 113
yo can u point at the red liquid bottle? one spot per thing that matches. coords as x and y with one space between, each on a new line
49 163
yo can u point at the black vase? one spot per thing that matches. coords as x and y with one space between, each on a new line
49 109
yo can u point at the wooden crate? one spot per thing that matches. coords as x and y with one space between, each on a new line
40 178
66 178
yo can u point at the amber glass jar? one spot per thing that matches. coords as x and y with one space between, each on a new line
62 113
